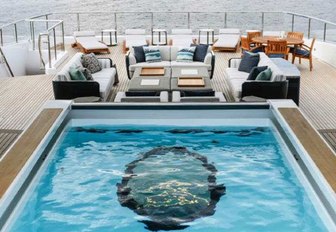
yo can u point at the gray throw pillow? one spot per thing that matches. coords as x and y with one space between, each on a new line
91 62
248 61
86 73
255 72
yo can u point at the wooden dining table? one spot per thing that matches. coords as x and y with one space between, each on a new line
290 41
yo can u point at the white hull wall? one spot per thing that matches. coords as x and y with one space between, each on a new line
16 56
325 52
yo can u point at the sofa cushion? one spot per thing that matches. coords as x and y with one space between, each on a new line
264 75
145 64
185 54
106 73
91 62
248 61
233 73
277 74
76 74
152 54
189 64
139 54
255 72
200 52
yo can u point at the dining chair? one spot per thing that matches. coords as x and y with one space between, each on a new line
245 46
305 52
277 49
251 35
295 34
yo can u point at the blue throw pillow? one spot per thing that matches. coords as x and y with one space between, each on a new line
248 61
255 72
264 75
152 54
139 54
185 54
200 52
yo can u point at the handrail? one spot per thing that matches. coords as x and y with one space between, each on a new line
5 60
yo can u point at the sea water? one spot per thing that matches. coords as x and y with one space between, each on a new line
78 189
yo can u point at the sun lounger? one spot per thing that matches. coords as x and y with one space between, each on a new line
134 37
182 38
87 42
228 40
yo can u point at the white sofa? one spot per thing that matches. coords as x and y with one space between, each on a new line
100 86
168 56
238 82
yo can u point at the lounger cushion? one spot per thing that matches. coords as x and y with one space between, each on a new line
91 62
255 72
227 41
200 52
185 54
248 61
152 54
139 54
90 43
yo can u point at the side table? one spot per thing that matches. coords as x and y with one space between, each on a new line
160 33
209 32
112 33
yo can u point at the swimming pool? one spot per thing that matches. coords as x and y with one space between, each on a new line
194 173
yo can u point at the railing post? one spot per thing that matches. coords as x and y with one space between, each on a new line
78 22
262 21
1 38
49 52
325 32
47 23
309 24
15 33
63 42
152 21
55 48
225 20
188 20
115 21
293 22
33 34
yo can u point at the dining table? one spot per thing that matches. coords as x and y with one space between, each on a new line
290 41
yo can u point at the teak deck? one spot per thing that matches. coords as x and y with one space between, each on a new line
18 155
321 154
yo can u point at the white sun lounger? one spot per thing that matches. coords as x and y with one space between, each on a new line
87 42
134 37
181 37
228 40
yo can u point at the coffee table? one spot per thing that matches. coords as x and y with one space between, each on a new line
190 72
150 83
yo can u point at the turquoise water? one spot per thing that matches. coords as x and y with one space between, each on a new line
78 190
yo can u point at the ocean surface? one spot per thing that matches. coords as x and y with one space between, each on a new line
14 10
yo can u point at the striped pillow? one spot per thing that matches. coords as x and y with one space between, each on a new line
152 54
186 54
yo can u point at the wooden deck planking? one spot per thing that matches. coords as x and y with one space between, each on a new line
321 154
16 158
330 137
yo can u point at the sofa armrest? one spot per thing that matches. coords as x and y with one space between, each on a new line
105 62
210 59
164 96
130 60
74 89
265 89
234 62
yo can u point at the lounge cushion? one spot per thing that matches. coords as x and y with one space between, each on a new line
255 72
139 54
233 73
91 62
301 52
90 43
185 54
106 73
264 75
152 54
76 74
189 64
248 61
200 52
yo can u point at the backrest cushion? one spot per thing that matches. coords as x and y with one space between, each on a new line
139 54
91 62
165 52
249 60
181 31
185 54
76 74
200 52
152 54
64 74
277 74
255 72
264 75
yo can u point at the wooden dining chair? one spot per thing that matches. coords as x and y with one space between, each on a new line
305 52
245 46
251 35
277 49
295 34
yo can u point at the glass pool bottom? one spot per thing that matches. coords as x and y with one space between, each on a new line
214 179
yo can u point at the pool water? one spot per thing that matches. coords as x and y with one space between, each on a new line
81 187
